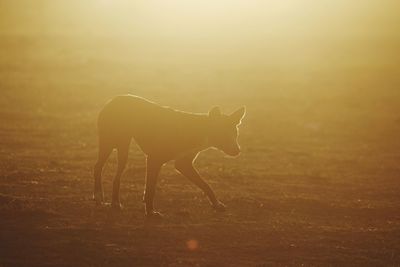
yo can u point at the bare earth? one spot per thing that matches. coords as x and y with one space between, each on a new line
317 183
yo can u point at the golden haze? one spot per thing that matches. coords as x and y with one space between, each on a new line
317 182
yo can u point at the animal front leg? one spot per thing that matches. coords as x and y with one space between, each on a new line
185 166
152 171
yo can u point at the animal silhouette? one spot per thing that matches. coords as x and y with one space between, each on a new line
163 134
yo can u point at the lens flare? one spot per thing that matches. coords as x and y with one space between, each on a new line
192 244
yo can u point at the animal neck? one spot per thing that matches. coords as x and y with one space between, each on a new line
201 130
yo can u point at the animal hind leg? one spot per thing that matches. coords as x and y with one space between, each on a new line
105 150
123 149
152 171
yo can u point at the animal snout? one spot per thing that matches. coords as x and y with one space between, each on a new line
234 152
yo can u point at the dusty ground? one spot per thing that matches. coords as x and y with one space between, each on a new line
317 183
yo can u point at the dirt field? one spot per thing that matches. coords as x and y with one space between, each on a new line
317 183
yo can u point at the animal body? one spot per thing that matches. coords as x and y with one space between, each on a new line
163 134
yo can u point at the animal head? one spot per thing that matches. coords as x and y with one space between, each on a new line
224 130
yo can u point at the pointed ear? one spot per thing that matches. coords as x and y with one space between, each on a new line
238 115
214 112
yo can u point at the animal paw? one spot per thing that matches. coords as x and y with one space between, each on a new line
220 207
98 197
154 216
116 206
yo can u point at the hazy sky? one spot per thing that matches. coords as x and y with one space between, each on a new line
203 19
301 32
